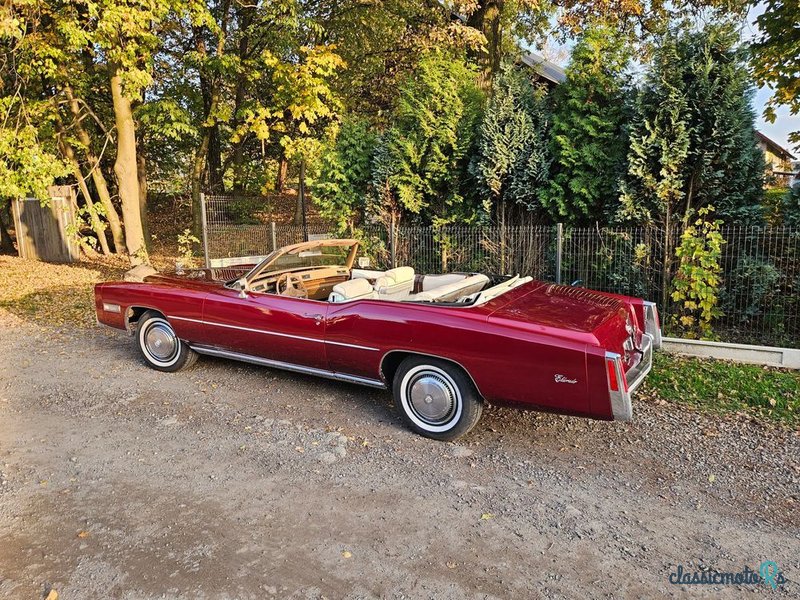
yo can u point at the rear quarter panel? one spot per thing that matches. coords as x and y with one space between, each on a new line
509 366
170 300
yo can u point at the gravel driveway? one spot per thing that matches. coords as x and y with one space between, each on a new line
232 481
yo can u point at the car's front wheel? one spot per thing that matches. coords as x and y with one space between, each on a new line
161 348
436 398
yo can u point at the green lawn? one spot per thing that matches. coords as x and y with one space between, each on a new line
723 386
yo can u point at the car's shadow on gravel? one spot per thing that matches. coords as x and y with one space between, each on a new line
350 400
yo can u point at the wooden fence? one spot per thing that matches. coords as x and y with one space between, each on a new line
43 231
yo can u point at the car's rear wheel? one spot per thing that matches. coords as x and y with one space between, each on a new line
436 398
161 348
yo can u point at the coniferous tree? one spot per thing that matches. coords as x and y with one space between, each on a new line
726 167
341 186
588 137
511 161
658 143
425 154
692 143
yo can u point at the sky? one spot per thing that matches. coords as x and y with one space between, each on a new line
785 123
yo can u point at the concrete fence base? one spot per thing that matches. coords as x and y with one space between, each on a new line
788 358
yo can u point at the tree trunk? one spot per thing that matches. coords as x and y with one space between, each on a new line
125 168
215 184
689 199
245 13
210 92
98 178
141 175
238 166
6 243
666 267
283 170
94 219
197 181
298 211
301 205
487 19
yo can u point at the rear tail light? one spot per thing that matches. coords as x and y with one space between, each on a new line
611 365
616 374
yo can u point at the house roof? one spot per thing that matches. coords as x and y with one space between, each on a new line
543 67
774 147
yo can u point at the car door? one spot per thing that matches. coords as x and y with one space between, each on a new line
278 328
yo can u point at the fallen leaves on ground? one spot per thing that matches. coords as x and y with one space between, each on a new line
54 294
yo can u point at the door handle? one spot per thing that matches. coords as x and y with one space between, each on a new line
317 317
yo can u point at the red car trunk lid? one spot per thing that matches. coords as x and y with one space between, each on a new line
571 312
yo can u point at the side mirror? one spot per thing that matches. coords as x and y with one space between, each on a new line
243 288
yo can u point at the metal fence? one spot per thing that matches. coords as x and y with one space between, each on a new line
759 298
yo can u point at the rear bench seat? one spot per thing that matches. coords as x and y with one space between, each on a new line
395 283
453 291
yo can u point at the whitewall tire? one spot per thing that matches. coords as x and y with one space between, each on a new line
436 398
160 347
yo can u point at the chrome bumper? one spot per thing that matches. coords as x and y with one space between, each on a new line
621 407
637 374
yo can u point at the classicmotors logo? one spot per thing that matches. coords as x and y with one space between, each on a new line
767 574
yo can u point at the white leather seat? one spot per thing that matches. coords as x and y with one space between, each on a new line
365 274
354 289
395 283
453 291
431 282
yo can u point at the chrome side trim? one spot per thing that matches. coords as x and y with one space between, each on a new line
356 346
277 364
276 333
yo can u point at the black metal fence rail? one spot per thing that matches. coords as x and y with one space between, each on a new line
759 297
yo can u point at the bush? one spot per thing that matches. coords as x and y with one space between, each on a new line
752 287
773 205
697 282
244 210
790 209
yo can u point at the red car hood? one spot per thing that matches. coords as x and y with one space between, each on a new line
563 310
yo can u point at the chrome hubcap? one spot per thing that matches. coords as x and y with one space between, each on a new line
432 398
161 342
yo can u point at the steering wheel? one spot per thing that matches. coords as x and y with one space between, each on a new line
289 284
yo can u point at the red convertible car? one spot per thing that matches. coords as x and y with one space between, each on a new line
444 343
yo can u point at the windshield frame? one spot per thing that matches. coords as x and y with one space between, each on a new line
262 268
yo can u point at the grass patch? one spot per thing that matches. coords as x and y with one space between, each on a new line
722 386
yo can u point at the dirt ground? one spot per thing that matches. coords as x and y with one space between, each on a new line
232 481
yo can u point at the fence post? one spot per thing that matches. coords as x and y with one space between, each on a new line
273 235
204 222
559 249
392 244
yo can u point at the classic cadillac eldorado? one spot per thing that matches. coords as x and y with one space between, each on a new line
444 344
